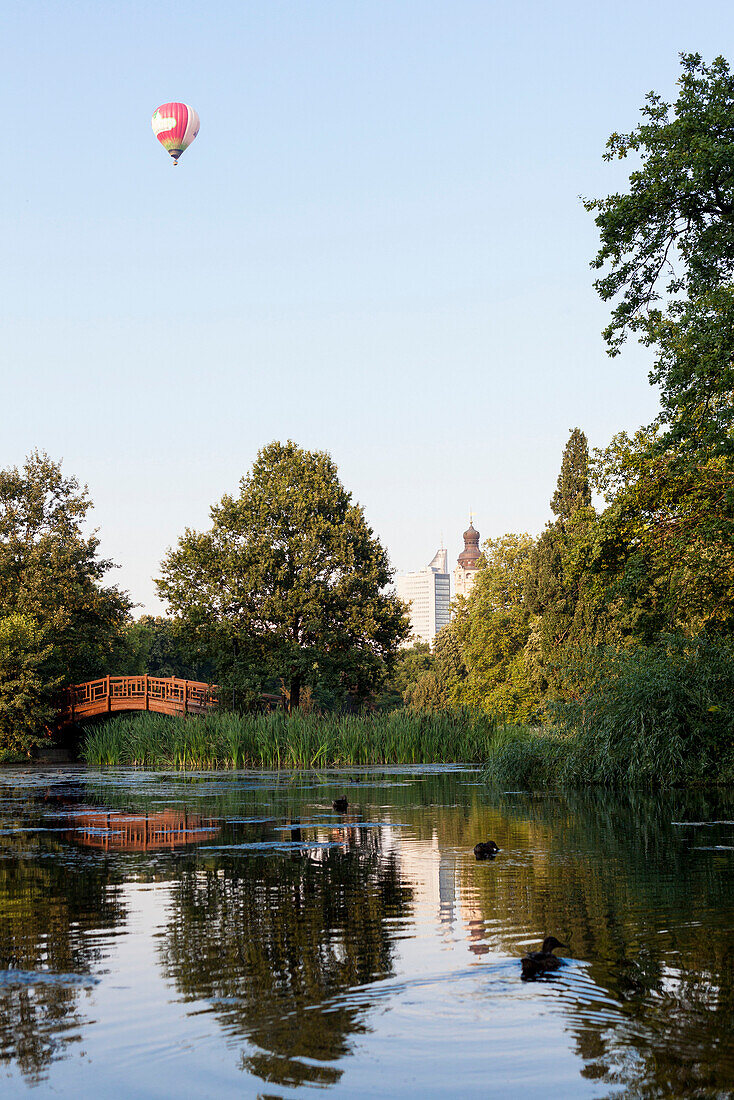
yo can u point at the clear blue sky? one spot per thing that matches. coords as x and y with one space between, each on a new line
375 247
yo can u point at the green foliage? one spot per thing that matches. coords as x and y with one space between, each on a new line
662 713
26 686
653 716
665 546
428 694
438 686
156 646
559 590
572 489
527 757
667 249
451 670
492 626
290 580
695 371
50 571
300 741
409 665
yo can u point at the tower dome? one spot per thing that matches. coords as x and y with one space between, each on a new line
471 553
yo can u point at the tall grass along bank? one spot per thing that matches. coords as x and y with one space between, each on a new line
226 740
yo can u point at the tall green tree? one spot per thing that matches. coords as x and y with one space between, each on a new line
667 250
289 581
50 569
558 594
451 667
439 684
572 489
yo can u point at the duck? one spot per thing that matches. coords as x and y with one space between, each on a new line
486 849
540 962
341 805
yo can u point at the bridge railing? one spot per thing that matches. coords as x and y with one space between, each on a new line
167 695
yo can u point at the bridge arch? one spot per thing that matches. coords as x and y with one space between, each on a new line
113 694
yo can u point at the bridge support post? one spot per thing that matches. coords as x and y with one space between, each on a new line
147 705
186 697
109 696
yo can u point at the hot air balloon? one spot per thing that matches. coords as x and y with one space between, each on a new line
175 125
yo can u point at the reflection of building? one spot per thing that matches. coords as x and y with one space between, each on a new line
468 563
442 893
429 594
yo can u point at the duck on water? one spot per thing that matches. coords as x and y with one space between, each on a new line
486 849
540 962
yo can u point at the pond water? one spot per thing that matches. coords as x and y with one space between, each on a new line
215 935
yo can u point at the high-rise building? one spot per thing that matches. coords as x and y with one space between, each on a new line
468 562
429 594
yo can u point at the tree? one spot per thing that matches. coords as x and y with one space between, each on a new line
558 592
451 669
438 684
154 645
289 580
667 249
666 552
492 626
50 571
409 666
572 489
26 688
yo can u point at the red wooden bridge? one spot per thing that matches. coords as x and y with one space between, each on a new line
166 695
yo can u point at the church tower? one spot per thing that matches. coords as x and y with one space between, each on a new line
468 562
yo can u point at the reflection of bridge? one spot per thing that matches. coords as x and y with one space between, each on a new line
166 695
140 832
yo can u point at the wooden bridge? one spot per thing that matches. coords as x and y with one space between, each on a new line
165 695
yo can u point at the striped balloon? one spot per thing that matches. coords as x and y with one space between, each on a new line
175 125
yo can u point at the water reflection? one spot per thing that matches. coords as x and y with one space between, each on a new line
52 922
309 938
272 942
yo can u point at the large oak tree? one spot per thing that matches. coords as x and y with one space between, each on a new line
289 581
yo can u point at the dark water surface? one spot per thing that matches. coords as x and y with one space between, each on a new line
231 935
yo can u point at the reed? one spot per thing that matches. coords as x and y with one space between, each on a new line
228 740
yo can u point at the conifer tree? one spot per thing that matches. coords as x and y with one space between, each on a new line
556 585
572 489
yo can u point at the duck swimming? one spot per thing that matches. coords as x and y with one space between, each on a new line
540 962
486 849
341 805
